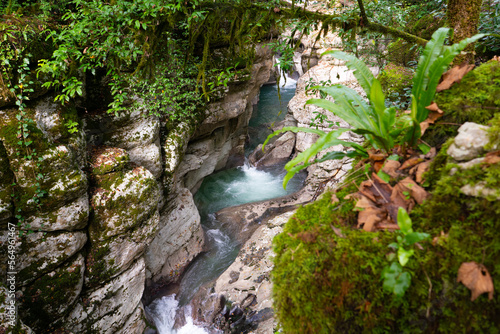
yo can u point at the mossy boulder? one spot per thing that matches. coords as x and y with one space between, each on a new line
396 83
44 252
122 201
108 159
50 297
327 276
108 308
47 171
8 313
475 99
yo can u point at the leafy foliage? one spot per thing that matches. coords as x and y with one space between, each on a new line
396 279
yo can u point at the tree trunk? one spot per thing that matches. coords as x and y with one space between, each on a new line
463 18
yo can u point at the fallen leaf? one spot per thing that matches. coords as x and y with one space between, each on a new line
416 192
399 200
371 214
433 116
421 169
334 198
492 158
433 107
337 231
431 154
390 168
476 278
386 225
410 163
455 74
496 58
376 156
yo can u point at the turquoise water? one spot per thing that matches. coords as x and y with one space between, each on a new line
227 188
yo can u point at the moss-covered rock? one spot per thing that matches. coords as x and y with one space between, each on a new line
107 309
6 178
8 314
108 258
108 159
329 281
43 252
122 201
475 99
50 296
396 81
47 172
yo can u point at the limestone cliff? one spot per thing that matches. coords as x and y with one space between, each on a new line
109 209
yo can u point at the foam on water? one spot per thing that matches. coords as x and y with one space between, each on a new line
163 312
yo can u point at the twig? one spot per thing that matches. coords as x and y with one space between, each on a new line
430 291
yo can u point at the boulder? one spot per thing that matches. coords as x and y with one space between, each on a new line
43 252
251 291
110 257
8 317
470 142
109 308
135 131
275 153
49 297
179 239
121 201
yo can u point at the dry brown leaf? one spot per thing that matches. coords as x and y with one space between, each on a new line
334 198
387 225
433 116
337 231
476 278
416 192
410 163
376 156
433 107
390 168
421 169
492 158
496 58
399 200
370 215
453 75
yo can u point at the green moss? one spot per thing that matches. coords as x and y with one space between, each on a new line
396 81
330 283
98 269
475 99
41 300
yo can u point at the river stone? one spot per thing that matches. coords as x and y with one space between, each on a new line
179 240
148 156
275 153
470 142
43 252
50 296
111 257
253 290
121 201
107 309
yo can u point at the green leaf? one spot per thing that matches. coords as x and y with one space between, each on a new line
404 255
396 280
384 176
360 70
414 237
404 221
424 148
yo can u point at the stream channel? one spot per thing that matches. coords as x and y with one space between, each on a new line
223 189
